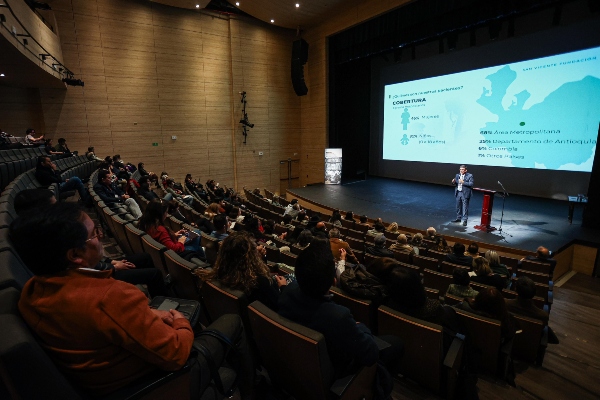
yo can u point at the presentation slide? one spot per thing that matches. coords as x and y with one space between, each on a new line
541 113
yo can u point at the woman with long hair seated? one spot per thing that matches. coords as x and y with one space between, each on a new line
153 223
240 266
495 265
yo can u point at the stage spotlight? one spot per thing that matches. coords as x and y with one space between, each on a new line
73 82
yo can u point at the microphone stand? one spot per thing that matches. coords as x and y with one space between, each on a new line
504 196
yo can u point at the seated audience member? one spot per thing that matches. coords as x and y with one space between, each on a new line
221 225
287 221
63 148
320 230
349 216
144 190
360 282
214 187
363 220
542 255
485 275
290 207
212 210
240 266
71 306
176 213
523 304
302 217
490 303
497 268
153 223
336 244
458 256
460 287
195 188
33 200
416 241
350 344
51 150
256 192
393 227
473 251
378 229
136 269
110 193
407 295
379 249
90 155
151 175
304 238
382 267
430 233
294 211
46 173
235 215
336 218
30 139
254 227
402 245
441 245
178 194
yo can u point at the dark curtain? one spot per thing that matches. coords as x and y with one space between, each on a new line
349 115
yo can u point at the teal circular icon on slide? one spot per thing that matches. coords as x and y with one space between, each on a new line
522 124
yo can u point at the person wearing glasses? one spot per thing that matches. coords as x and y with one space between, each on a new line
101 331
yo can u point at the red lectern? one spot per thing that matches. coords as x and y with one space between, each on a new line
486 210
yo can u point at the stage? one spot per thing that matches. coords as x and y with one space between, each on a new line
528 221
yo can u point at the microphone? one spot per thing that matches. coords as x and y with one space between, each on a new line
505 193
499 183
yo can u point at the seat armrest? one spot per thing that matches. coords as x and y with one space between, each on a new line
452 356
359 385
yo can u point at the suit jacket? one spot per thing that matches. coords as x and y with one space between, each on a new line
109 194
467 261
467 185
337 244
47 176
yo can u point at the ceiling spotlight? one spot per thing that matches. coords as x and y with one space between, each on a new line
197 5
1 75
297 5
237 3
272 20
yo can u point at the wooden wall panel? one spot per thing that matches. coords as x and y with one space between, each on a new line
153 71
583 259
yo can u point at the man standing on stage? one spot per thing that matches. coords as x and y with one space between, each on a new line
463 182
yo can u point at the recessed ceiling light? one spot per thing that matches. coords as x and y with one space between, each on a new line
272 20
297 5
197 5
2 75
237 3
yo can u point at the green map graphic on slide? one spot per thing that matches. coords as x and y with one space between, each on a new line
565 111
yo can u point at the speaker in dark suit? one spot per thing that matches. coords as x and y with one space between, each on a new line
463 187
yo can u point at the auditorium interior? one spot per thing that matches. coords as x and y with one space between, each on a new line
251 94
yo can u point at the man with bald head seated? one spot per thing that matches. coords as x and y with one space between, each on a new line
542 255
100 331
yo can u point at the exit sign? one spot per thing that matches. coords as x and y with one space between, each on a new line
155 144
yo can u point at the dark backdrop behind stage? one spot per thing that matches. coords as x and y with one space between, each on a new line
411 43
534 182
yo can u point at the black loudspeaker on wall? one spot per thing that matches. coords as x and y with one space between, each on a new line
299 58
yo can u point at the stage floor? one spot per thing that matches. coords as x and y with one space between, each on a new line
528 221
